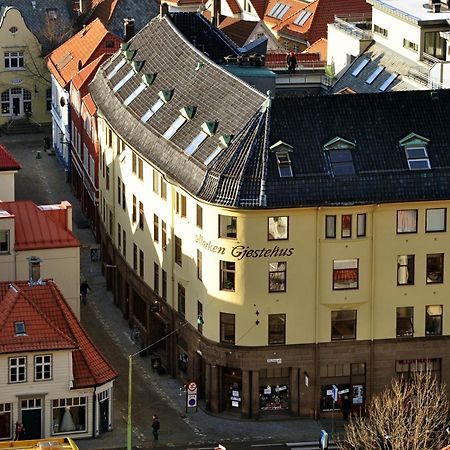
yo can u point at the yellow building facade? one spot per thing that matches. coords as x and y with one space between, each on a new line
25 86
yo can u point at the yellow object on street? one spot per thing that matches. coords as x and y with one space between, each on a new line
57 443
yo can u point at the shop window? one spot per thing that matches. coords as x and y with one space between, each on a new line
343 325
227 227
277 329
199 217
227 275
435 268
69 414
406 368
181 300
361 225
433 320
277 277
5 421
156 278
156 228
178 251
42 367
227 328
274 389
405 270
330 227
278 228
199 264
436 220
407 221
18 369
346 226
405 321
345 274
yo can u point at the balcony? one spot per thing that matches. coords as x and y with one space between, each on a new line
357 25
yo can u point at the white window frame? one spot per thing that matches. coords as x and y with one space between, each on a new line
441 224
153 110
196 142
16 56
416 162
17 362
176 125
44 364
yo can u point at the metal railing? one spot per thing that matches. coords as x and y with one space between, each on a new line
359 26
308 65
422 76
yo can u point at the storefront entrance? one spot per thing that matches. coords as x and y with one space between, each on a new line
274 389
31 412
232 389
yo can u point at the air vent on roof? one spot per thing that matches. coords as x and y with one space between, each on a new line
148 78
137 65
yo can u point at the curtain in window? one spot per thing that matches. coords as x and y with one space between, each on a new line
407 221
403 273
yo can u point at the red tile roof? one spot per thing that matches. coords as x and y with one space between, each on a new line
320 48
7 162
50 325
234 6
34 229
90 105
87 73
315 27
103 10
260 7
237 30
82 48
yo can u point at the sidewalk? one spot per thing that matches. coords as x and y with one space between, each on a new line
43 181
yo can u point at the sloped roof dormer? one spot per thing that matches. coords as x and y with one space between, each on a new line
415 147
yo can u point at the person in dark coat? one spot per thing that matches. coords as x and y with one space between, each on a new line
20 432
155 426
84 288
291 62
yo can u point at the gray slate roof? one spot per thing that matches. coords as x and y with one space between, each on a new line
35 16
246 173
217 96
378 56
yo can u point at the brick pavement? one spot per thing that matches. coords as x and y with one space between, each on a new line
43 180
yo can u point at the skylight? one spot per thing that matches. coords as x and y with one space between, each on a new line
360 67
117 67
212 156
388 82
417 158
196 142
134 94
341 162
153 110
374 74
20 328
123 80
179 122
302 18
279 10
284 164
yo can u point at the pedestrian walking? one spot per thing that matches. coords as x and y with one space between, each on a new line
20 432
84 288
155 426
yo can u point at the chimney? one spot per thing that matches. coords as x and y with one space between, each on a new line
65 205
164 10
128 28
435 5
215 12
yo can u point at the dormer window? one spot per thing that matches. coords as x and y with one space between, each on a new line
186 114
20 328
282 150
134 94
4 241
34 269
339 151
415 147
302 18
224 142
164 97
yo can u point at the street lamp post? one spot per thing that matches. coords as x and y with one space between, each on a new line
130 383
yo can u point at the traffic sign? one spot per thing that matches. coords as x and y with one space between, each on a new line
334 392
192 386
192 400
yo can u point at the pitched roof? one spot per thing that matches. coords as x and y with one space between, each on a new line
193 81
237 30
85 75
319 47
82 48
34 229
322 12
374 123
50 325
7 162
260 7
35 15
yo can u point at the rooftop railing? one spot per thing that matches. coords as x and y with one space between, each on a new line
358 25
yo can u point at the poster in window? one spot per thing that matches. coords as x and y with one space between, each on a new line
358 394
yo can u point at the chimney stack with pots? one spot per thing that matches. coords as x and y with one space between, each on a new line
164 10
128 28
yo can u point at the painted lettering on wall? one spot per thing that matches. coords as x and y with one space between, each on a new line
244 251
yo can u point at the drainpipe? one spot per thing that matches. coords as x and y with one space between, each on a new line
94 412
316 313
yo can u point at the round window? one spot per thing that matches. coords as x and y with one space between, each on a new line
13 30
62 101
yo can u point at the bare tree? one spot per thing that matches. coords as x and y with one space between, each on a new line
56 31
409 415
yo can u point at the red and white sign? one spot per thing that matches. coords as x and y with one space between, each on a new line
192 387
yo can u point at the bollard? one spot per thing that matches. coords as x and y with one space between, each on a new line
38 154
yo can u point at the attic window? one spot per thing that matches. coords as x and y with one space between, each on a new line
360 67
20 328
284 164
117 67
52 13
123 80
13 30
342 162
373 76
224 142
279 10
417 158
134 94
164 97
109 44
179 122
196 142
302 18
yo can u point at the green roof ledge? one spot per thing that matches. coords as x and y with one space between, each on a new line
148 78
129 54
210 127
137 65
166 95
225 139
188 111
413 139
338 143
